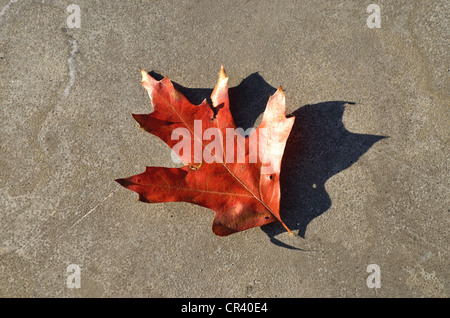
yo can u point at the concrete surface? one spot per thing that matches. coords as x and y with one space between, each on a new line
352 197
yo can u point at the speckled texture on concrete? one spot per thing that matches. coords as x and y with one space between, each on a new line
365 175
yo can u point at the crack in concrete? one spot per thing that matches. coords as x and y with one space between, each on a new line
21 249
72 67
91 210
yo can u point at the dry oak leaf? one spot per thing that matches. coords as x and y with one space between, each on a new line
243 193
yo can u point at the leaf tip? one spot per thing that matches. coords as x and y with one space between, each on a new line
147 81
222 74
219 94
144 75
279 93
140 118
123 182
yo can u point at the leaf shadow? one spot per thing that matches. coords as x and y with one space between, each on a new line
318 147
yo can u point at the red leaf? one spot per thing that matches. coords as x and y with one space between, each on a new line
241 185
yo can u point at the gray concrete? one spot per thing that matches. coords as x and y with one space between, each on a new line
351 197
